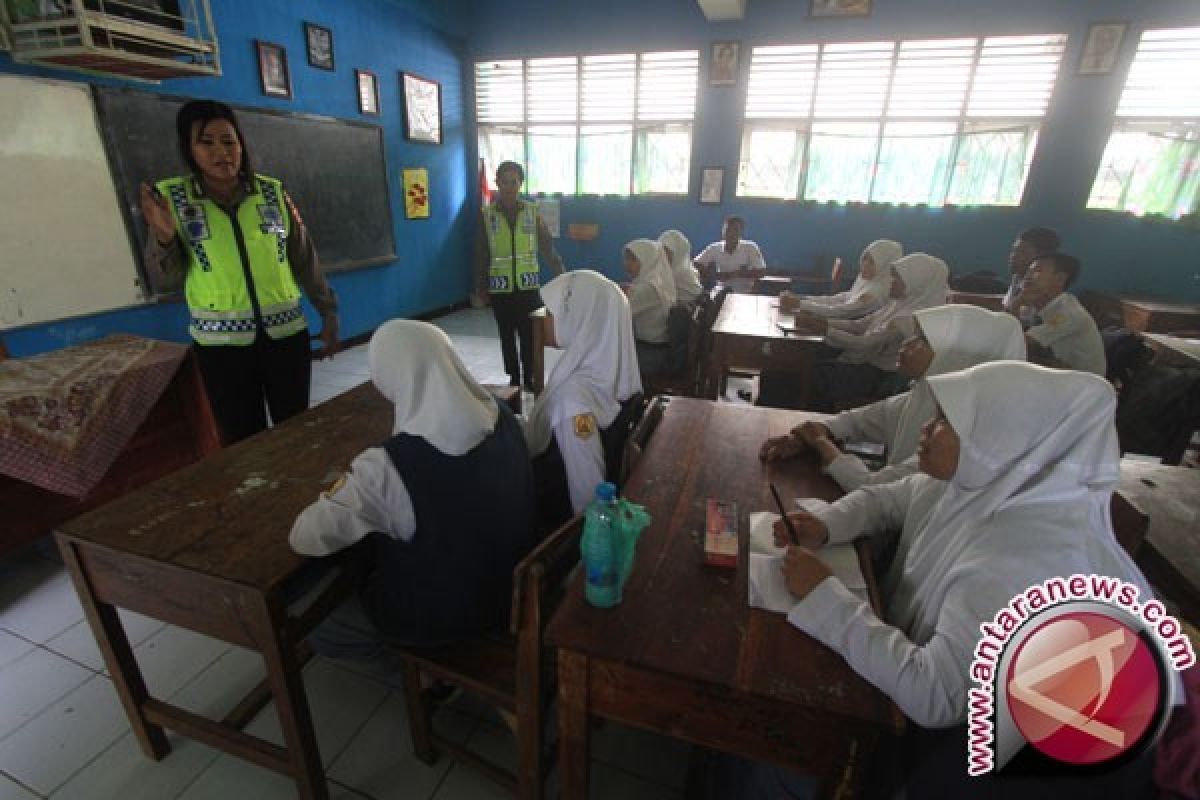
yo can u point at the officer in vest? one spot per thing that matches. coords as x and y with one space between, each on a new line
512 235
235 242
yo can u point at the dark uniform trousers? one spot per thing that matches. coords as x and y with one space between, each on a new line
512 312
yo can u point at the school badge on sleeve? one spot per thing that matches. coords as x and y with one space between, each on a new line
585 425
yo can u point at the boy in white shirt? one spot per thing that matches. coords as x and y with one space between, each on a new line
730 254
1063 332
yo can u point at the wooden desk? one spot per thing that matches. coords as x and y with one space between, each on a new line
683 654
992 302
1170 496
746 334
1174 349
206 548
1155 316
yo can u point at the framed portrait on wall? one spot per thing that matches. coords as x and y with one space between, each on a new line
723 63
368 91
712 180
1101 48
422 108
840 8
320 45
273 70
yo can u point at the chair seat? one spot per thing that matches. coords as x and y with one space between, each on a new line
486 666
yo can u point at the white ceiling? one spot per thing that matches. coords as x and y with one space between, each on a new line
722 10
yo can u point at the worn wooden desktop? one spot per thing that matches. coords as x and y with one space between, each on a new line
992 302
1157 316
206 548
1174 349
746 334
1170 496
683 654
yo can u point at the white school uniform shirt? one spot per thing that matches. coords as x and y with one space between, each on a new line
687 281
745 256
865 295
1069 331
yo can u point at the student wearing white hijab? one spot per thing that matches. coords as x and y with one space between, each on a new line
948 339
867 365
870 290
588 318
442 567
678 251
651 296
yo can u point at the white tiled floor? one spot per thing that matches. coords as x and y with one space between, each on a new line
64 735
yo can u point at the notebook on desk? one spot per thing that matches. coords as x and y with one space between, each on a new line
766 587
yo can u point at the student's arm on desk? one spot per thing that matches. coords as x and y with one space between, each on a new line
871 423
370 498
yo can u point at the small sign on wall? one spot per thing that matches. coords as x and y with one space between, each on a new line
416 193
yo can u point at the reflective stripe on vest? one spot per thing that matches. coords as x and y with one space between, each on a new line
216 290
507 245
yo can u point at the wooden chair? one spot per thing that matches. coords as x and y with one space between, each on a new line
641 436
1129 524
511 670
686 381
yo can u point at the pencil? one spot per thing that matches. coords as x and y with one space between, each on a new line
787 522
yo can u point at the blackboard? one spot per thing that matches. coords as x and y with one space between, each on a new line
333 169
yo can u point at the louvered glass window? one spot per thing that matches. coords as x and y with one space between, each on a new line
1152 162
601 124
917 121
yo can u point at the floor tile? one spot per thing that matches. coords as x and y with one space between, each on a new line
47 606
12 648
79 644
52 746
174 656
464 783
33 682
229 777
11 790
124 772
610 783
223 684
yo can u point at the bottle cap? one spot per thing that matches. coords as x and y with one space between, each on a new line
606 492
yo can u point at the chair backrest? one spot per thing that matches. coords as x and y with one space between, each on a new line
641 436
616 435
1129 524
835 276
539 578
679 319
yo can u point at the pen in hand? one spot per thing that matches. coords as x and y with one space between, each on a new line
787 522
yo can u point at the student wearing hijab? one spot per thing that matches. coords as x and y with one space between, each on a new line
588 318
442 567
870 290
870 345
948 339
678 251
651 295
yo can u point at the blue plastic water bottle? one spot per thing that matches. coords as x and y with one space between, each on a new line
600 562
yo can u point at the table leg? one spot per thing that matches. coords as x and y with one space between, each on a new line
118 657
573 750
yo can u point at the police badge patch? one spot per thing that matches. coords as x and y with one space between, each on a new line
272 219
195 222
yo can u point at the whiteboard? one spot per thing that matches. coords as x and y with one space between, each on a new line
64 249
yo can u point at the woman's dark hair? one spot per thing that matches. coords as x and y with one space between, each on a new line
511 166
205 111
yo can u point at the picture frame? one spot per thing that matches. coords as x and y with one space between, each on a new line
723 63
840 8
368 91
712 183
273 69
319 40
1101 48
422 108
416 192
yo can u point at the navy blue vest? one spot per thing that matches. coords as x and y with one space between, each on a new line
475 521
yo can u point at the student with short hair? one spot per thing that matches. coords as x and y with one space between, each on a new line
731 254
948 339
1063 333
870 289
651 296
1029 244
588 318
442 567
678 251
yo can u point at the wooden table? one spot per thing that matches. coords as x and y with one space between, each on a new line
1156 316
1174 349
206 548
1170 556
992 302
746 334
683 654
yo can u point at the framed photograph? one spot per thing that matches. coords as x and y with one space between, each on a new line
422 108
840 8
723 63
1101 48
273 70
320 45
368 91
712 180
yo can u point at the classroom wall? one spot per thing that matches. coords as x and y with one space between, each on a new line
384 36
1119 253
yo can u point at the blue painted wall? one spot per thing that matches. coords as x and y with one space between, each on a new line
384 36
1119 253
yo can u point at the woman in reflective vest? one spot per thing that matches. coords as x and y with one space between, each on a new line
234 240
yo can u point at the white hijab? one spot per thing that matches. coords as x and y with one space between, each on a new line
414 366
687 280
925 286
1029 499
598 369
883 252
960 336
655 271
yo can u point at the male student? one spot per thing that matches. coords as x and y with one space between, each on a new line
1063 332
1029 244
729 254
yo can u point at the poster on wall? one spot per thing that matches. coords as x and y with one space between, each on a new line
416 193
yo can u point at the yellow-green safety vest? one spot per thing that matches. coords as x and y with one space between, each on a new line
513 251
223 250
